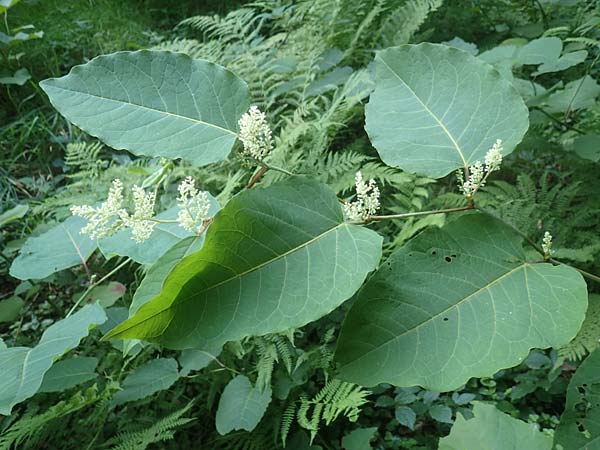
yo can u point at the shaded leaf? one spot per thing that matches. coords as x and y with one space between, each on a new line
10 308
13 214
579 427
491 429
123 99
68 373
436 109
60 248
23 368
154 376
274 259
241 406
406 416
454 303
358 439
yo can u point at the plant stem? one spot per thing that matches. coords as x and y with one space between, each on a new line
257 176
413 214
588 275
591 276
96 283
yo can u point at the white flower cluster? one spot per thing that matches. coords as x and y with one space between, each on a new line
111 216
104 219
255 134
143 211
547 244
194 206
367 199
478 173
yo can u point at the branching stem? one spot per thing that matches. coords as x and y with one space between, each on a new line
96 283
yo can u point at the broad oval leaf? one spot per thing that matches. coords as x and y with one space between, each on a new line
68 373
273 259
436 109
23 368
153 376
154 103
60 248
579 427
456 303
493 429
241 406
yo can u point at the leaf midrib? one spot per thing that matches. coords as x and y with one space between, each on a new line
110 335
444 311
435 117
191 119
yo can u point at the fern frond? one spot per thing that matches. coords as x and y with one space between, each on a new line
286 421
84 157
588 338
160 431
31 429
337 398
405 21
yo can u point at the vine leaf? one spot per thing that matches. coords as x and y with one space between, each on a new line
455 303
579 427
23 368
154 103
436 109
68 373
273 259
241 406
58 248
491 428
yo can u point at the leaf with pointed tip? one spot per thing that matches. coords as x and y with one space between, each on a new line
23 368
436 109
454 303
154 376
154 103
241 406
60 248
274 259
68 373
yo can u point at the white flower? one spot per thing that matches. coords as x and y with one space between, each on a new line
478 173
143 210
367 199
103 220
255 134
475 181
194 206
547 244
493 158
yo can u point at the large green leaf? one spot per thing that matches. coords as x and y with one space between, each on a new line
153 282
153 376
491 429
68 373
273 259
154 103
23 368
579 427
436 109
241 406
455 303
57 249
